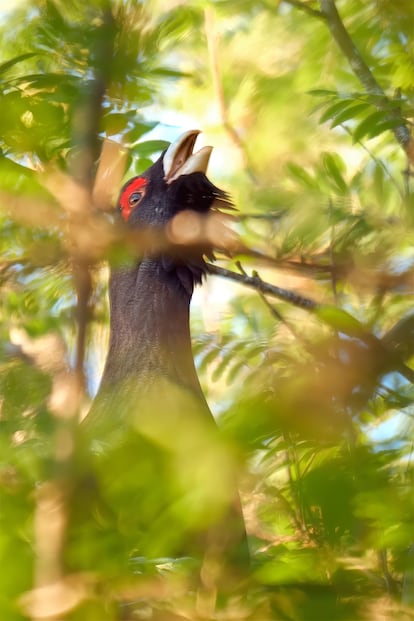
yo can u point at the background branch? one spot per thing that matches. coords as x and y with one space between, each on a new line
365 75
212 46
332 316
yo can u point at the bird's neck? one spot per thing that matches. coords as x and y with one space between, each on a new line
150 331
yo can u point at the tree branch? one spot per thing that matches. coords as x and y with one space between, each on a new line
339 321
55 497
255 282
86 138
364 74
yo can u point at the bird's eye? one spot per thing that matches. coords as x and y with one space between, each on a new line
135 197
131 196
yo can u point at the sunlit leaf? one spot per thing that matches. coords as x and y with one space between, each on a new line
334 167
340 320
14 61
149 147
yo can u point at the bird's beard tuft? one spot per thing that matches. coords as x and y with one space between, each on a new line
196 192
189 273
194 199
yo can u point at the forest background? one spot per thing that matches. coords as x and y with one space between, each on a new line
303 336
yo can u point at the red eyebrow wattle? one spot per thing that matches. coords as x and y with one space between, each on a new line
136 184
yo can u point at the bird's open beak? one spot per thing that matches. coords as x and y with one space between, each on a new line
179 158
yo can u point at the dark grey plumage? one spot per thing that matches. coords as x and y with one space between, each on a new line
150 392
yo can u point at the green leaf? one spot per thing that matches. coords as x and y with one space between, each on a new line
400 337
301 175
233 372
171 73
141 164
305 565
341 321
333 164
367 125
114 123
139 129
385 126
322 92
14 61
349 113
332 111
149 147
375 124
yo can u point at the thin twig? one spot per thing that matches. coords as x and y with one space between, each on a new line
272 309
274 312
272 216
332 253
212 45
375 159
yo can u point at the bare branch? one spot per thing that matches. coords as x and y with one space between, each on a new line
257 283
52 596
86 137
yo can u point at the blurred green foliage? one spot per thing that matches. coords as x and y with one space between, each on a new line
317 406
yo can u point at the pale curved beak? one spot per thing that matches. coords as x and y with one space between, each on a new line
179 158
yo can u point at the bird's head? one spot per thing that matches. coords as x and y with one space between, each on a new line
176 182
173 196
